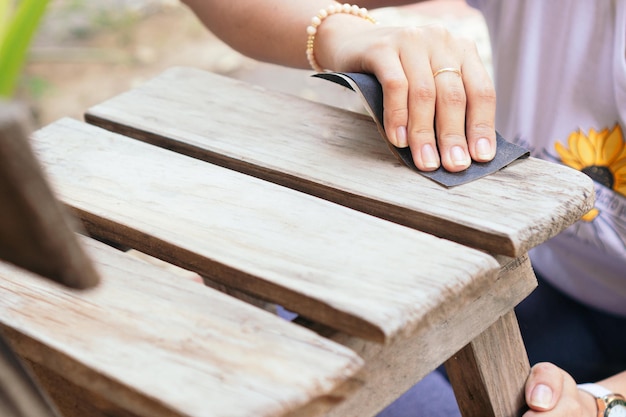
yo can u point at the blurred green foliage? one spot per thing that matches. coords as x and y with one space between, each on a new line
19 20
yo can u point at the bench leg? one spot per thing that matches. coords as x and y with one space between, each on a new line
392 369
489 373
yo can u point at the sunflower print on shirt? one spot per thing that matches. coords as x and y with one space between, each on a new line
602 156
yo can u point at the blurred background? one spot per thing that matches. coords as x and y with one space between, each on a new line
88 50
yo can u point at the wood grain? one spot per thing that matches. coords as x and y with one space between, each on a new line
489 374
354 272
340 156
157 345
36 232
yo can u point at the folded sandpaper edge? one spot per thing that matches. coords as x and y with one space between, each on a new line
370 90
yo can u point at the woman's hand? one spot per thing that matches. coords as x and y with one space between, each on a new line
552 392
460 108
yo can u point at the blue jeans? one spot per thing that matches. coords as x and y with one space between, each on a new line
587 343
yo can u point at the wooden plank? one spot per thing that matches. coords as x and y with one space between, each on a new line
36 233
488 375
391 370
19 395
73 400
340 156
354 272
158 345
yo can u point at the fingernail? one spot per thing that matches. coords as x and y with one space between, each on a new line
541 396
401 137
429 157
459 158
483 149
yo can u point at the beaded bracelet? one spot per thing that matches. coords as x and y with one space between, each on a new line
317 20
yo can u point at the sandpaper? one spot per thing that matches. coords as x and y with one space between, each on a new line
370 90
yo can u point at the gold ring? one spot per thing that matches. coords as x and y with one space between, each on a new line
454 70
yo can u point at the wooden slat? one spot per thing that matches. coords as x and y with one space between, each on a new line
19 395
391 370
157 345
73 400
35 231
354 272
340 156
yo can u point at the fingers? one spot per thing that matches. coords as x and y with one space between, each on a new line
447 119
481 109
409 95
465 105
450 119
544 386
409 98
395 86
552 392
422 99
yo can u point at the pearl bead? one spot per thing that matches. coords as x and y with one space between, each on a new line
317 20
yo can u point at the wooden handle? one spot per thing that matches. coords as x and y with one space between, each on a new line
36 233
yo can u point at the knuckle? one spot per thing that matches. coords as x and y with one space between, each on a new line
454 96
422 134
410 32
466 43
397 115
482 125
481 128
438 31
542 368
448 139
433 32
486 93
423 93
394 84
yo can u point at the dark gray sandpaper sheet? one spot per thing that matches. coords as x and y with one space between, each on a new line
372 94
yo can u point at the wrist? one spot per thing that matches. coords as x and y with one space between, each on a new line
588 403
608 403
328 28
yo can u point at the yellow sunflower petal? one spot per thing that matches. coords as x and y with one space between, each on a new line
618 170
597 140
567 157
618 166
586 150
572 141
612 147
590 215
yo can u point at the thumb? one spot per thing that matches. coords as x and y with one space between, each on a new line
544 386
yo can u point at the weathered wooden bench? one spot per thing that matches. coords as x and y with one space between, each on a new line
35 233
293 207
